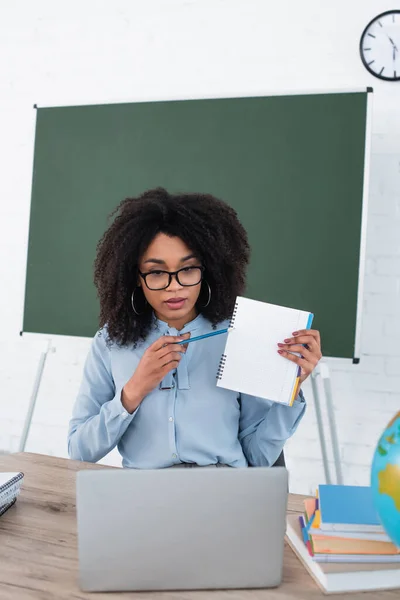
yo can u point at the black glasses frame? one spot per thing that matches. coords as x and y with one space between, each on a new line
172 274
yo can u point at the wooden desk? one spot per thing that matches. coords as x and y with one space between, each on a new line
38 546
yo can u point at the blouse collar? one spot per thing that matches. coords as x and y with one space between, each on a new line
163 327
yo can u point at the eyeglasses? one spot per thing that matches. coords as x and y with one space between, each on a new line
160 280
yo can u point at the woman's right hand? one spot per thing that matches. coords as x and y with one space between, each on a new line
159 359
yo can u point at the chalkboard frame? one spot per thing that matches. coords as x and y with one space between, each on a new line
362 255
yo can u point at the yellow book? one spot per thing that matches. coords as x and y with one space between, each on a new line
341 545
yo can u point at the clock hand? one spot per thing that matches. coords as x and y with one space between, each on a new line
392 42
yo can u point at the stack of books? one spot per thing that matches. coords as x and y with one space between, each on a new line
10 486
341 542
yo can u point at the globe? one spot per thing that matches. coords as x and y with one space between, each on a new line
385 479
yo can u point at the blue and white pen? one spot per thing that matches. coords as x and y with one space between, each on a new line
206 335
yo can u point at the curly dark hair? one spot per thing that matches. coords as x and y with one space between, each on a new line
208 226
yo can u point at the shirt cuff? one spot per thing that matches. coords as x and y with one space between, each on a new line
117 409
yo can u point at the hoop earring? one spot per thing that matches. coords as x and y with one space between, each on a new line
133 302
209 295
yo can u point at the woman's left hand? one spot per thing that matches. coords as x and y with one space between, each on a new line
306 342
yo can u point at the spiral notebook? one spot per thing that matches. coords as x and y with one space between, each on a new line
250 363
10 486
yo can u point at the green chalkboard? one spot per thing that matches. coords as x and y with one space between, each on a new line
292 166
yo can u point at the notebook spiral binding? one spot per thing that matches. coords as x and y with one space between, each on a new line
222 362
5 507
221 366
10 483
233 317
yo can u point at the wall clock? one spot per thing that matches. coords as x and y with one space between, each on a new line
380 46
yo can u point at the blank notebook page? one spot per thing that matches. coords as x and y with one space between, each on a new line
251 363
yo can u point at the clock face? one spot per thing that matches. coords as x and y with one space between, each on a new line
380 46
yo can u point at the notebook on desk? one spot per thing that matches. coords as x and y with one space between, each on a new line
10 485
250 363
348 508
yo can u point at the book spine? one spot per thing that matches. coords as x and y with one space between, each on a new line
221 367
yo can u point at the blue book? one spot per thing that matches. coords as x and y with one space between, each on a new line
347 508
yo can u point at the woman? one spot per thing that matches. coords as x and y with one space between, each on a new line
171 266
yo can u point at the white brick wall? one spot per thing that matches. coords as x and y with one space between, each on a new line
100 51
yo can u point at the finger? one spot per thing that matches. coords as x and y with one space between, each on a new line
307 341
310 352
170 357
170 348
307 354
302 362
313 332
186 336
167 368
164 340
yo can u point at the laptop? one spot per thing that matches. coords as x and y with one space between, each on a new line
181 529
